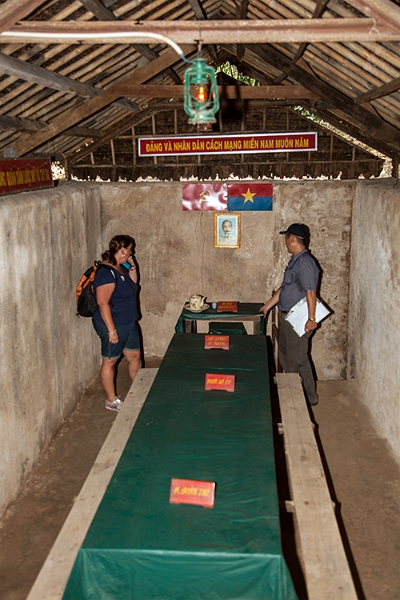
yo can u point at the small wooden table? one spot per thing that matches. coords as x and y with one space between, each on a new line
247 311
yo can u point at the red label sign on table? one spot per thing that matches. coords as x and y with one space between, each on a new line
217 381
216 341
227 307
189 491
20 174
298 141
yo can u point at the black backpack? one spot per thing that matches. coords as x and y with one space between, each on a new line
86 304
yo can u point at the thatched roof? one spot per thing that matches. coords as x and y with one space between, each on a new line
338 59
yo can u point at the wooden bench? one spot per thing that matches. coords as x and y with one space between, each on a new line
321 552
53 577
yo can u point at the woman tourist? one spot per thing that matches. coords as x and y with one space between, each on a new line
115 320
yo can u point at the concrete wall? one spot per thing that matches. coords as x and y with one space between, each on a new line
46 239
177 258
374 333
49 237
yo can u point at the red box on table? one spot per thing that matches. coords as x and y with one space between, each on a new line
216 341
227 307
218 381
190 491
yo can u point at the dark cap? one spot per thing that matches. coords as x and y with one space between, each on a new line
299 230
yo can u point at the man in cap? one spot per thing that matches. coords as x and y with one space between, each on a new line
299 281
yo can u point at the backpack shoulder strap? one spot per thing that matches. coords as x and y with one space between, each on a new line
109 268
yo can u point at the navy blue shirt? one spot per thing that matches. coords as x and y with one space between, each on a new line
123 300
301 274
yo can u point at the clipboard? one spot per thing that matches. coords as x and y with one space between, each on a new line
298 315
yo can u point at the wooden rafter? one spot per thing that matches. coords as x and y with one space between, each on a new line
201 15
99 10
210 32
383 90
227 92
319 10
13 123
15 10
85 110
30 72
105 14
241 13
338 102
198 10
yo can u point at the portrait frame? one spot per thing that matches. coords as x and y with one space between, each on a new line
229 236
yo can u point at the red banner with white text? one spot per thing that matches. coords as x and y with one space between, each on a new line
228 144
20 174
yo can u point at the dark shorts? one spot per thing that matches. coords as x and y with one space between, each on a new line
128 339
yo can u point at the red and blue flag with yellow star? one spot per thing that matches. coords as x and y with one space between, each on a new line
250 196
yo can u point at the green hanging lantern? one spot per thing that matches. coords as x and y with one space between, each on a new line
201 100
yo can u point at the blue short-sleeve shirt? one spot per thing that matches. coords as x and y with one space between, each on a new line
301 274
123 301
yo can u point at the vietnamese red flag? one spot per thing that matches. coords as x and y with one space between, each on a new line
204 196
250 196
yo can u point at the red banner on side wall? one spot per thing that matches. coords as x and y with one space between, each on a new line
20 174
229 144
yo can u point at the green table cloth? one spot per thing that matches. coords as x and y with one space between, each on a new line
245 309
140 546
242 355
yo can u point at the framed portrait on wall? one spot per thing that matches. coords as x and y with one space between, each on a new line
226 230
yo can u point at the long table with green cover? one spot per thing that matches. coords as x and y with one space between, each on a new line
244 309
141 547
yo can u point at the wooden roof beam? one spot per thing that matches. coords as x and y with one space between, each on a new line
198 10
379 92
250 31
99 10
78 114
227 92
15 10
34 74
13 123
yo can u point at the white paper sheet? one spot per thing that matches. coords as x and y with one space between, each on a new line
298 315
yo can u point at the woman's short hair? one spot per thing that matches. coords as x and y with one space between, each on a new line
117 242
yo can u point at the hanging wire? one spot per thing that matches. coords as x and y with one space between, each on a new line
88 36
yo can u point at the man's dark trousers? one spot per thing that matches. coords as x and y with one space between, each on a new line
293 356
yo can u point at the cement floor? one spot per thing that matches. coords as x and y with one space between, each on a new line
364 480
